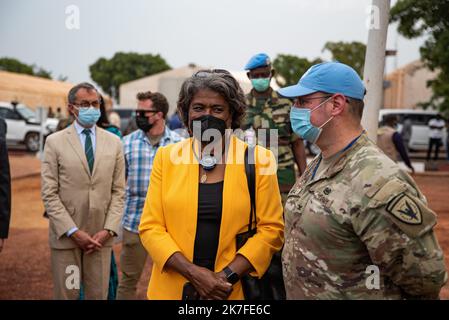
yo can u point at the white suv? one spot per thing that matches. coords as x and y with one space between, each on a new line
420 130
23 127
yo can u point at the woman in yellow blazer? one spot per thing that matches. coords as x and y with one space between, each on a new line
198 199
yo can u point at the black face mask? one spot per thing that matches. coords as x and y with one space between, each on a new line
143 124
209 122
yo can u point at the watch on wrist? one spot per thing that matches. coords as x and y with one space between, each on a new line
231 276
111 233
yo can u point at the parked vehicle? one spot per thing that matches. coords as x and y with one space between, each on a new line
126 116
23 127
420 130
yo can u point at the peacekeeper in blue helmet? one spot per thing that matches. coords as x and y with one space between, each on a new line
267 110
357 226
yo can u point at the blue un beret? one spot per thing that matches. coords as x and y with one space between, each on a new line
257 61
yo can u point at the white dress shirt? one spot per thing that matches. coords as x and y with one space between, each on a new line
439 124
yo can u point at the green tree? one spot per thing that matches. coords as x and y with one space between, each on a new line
350 53
290 68
62 78
14 65
40 72
428 18
109 74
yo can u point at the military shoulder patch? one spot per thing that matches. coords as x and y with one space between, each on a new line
405 209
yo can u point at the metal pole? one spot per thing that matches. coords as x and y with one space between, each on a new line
42 117
374 65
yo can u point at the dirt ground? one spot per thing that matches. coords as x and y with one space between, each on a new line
25 261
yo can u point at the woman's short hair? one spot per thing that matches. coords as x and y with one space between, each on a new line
219 81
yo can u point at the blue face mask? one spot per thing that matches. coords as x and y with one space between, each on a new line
301 125
88 116
261 84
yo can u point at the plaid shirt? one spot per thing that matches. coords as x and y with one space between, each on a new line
139 156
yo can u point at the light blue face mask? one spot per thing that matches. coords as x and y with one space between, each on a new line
88 116
261 84
301 125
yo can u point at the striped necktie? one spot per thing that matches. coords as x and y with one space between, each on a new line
89 150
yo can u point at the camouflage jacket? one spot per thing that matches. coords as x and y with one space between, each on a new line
274 113
361 230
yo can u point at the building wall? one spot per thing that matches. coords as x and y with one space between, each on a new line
128 91
408 86
33 91
170 87
416 89
168 83
36 92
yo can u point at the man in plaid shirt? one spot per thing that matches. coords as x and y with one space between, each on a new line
140 148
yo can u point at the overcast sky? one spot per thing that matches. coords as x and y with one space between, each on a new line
220 33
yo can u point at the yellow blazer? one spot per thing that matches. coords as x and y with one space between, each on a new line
169 217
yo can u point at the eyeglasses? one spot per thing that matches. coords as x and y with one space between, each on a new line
209 73
87 104
301 102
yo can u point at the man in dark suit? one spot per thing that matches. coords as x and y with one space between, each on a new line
5 186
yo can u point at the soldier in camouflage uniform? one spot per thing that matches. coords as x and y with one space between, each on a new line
266 110
357 226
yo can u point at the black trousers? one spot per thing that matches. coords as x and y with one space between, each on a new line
434 142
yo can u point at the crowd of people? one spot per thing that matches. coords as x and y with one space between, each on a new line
186 201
